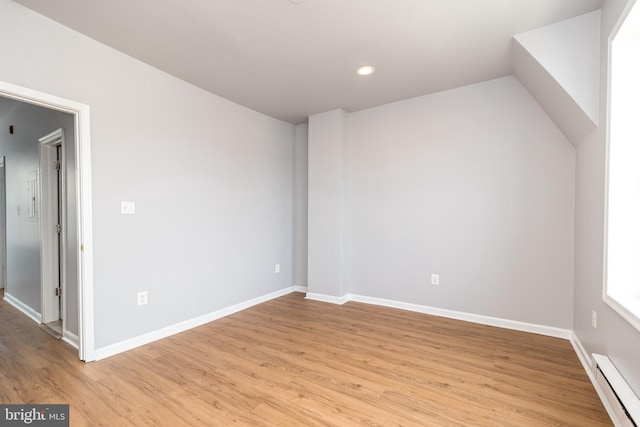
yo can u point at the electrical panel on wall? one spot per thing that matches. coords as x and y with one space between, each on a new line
32 196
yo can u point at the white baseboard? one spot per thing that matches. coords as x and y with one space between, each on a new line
585 358
468 317
19 305
588 364
300 288
328 298
68 337
451 314
113 349
71 339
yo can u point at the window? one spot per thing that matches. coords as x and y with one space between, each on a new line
622 281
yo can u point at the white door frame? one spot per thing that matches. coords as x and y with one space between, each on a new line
53 272
82 143
3 224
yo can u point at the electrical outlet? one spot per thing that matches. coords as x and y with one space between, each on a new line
594 319
435 279
143 298
277 269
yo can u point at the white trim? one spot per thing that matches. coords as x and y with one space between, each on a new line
85 235
3 218
132 343
623 393
71 339
19 305
581 353
609 299
589 366
53 139
113 349
468 317
328 298
53 269
82 143
299 288
451 314
621 309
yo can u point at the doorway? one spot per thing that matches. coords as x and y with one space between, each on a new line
83 236
53 231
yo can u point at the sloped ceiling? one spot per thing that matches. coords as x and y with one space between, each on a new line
560 66
290 60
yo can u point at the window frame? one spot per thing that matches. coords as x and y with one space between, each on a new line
629 310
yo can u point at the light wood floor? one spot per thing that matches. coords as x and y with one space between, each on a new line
293 362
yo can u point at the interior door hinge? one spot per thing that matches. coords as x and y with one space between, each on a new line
56 165
58 292
58 228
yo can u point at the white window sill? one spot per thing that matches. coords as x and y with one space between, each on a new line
626 305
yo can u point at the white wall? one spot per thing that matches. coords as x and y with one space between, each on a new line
212 181
23 236
614 336
475 184
326 204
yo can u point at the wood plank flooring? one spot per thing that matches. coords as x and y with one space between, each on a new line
294 362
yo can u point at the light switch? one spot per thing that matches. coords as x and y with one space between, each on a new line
127 208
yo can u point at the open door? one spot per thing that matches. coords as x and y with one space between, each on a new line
53 229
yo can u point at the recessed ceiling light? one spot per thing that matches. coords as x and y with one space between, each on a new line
365 70
296 1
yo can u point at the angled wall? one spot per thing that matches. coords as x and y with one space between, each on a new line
559 65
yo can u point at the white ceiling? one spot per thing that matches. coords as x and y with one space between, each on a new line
291 60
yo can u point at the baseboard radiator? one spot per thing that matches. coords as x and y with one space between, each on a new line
621 402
